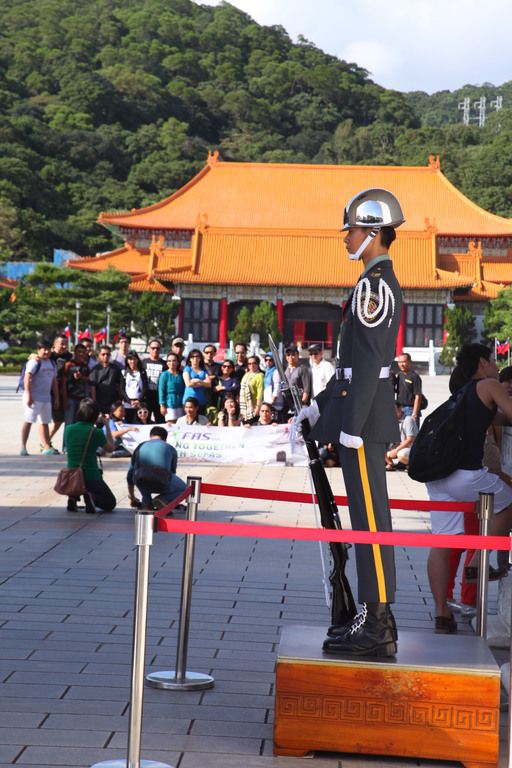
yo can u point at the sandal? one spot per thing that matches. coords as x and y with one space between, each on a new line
445 625
389 468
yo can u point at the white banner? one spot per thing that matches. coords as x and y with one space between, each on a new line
228 445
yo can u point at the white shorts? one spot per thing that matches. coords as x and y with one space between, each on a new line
403 453
39 412
465 485
173 413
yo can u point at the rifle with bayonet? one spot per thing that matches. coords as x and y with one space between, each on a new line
343 608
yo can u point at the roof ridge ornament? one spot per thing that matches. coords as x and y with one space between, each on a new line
434 163
202 222
213 158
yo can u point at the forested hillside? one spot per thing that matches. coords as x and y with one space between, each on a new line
109 104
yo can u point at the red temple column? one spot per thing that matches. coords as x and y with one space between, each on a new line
223 323
280 315
400 339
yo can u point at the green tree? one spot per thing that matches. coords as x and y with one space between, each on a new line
11 235
498 316
264 321
243 328
153 315
460 330
45 303
107 105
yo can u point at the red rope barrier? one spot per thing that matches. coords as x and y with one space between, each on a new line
174 503
305 498
449 541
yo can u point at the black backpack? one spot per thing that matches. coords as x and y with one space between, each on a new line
437 450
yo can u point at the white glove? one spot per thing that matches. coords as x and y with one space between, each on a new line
350 441
309 412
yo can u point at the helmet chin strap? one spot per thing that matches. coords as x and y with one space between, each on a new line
364 245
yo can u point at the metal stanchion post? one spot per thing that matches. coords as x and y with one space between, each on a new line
180 679
143 540
485 512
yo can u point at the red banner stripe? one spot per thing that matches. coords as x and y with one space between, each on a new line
305 498
244 530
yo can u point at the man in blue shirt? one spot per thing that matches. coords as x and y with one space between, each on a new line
153 470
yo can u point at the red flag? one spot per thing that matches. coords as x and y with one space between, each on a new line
85 334
67 331
502 349
100 335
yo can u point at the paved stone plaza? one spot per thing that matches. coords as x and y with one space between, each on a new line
66 613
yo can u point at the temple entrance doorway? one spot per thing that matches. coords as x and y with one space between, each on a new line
313 323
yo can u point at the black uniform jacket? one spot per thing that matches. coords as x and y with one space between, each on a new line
363 405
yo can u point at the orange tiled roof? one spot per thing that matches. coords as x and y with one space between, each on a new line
126 259
492 271
275 196
144 283
497 272
231 257
462 263
8 283
134 261
482 292
254 258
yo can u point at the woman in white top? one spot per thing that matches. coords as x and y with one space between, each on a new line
192 415
134 386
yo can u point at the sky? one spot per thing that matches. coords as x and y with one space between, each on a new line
408 45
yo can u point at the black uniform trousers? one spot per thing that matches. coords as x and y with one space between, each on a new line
365 482
154 406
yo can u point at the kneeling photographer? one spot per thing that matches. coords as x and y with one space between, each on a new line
82 440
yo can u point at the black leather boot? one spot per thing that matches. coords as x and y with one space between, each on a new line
373 633
336 630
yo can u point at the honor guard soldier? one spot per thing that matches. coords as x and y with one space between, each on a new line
356 411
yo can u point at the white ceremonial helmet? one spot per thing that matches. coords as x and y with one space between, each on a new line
372 208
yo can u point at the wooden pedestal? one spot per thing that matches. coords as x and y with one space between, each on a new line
438 699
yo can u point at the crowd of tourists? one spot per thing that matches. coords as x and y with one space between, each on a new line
101 395
185 389
176 388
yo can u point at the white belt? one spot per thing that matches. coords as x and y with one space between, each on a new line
384 373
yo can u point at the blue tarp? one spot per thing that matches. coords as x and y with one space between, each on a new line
15 270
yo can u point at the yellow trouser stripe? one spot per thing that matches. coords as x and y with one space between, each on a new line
381 582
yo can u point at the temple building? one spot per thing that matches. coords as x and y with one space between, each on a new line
240 233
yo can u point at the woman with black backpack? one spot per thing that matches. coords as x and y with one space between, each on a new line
484 402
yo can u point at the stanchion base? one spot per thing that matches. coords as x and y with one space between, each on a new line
124 763
193 681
